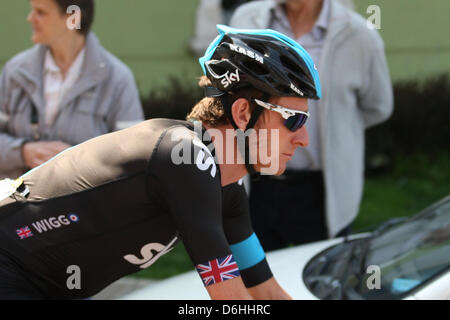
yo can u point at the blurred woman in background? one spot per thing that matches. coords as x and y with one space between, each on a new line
62 91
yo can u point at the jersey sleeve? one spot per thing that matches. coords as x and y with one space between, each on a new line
244 243
188 180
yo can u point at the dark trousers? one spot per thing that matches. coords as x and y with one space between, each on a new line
289 209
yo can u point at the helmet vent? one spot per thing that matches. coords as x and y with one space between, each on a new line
257 48
289 64
215 69
256 68
285 90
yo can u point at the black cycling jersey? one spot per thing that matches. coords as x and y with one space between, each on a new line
113 205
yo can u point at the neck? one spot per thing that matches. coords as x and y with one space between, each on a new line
66 50
229 172
302 15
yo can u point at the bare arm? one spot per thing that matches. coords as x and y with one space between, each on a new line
38 152
232 289
269 290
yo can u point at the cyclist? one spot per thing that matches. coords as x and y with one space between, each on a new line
113 205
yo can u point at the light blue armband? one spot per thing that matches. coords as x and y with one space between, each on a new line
248 252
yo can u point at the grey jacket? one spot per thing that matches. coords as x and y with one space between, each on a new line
103 99
356 94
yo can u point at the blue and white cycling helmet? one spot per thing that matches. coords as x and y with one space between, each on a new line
263 59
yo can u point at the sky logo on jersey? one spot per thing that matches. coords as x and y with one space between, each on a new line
204 159
24 232
218 270
148 258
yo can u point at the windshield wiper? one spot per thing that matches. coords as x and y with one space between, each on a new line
359 252
388 224
362 246
356 257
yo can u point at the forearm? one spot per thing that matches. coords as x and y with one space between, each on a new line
376 102
232 289
269 290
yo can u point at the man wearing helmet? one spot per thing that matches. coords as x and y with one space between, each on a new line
113 205
329 172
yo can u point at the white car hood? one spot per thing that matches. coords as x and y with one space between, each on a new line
286 264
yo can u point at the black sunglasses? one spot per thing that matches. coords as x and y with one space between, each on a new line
293 119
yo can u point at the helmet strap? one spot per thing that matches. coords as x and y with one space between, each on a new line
253 118
242 138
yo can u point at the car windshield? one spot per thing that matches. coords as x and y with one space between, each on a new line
388 265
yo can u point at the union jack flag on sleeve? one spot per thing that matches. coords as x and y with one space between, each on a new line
24 232
218 270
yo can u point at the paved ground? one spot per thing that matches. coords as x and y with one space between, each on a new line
121 288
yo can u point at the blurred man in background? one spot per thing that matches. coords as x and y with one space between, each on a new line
209 14
319 194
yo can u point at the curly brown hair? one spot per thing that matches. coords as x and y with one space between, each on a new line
211 110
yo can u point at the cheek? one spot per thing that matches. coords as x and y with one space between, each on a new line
285 137
41 21
271 134
57 23
53 20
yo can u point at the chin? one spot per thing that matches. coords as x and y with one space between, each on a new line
37 38
280 171
273 171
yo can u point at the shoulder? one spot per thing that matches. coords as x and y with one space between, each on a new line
176 133
153 131
119 71
369 37
27 56
182 154
172 134
119 68
187 146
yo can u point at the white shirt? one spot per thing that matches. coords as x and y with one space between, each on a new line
310 157
56 86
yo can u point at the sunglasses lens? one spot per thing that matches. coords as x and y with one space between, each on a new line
296 121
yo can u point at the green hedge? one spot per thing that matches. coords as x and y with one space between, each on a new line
174 100
419 123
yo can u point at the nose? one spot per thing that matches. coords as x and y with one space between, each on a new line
301 138
30 16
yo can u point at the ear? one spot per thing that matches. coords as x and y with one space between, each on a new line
240 110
